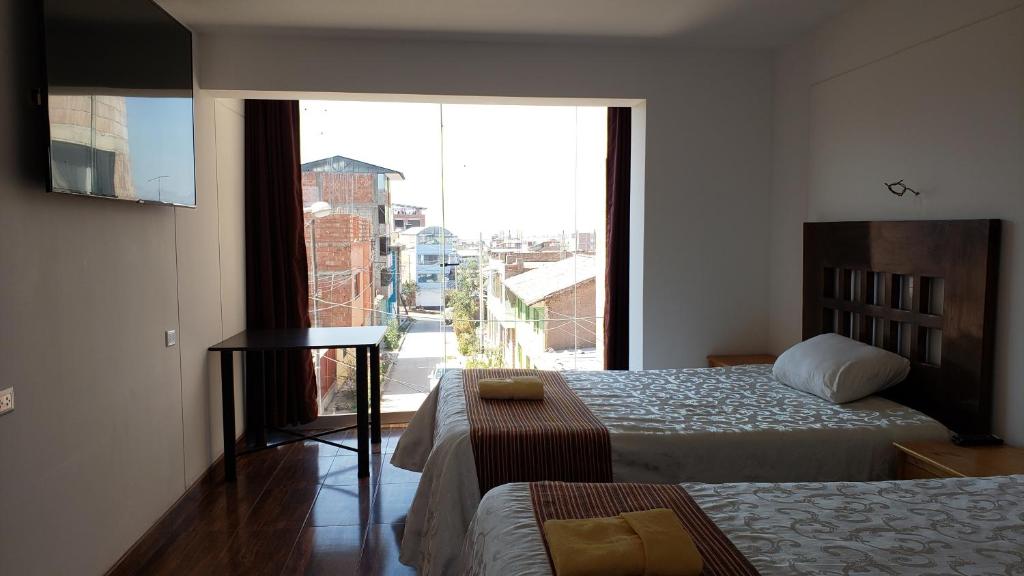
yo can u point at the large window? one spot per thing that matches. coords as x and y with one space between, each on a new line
474 232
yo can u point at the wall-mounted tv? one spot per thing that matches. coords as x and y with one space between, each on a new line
119 101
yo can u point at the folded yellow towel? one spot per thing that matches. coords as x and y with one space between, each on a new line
518 388
668 548
648 543
596 546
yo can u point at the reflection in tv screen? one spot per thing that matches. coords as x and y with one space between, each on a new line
119 91
123 147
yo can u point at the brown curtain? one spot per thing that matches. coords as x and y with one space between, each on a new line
276 280
616 303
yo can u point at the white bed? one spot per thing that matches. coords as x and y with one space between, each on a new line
967 526
667 426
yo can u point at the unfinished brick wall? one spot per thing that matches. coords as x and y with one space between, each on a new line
343 268
338 190
344 252
346 241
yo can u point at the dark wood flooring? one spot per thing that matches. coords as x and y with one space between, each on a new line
296 509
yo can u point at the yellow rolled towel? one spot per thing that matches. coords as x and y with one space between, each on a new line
648 543
668 548
518 388
595 546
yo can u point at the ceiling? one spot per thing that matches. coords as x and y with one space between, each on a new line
759 23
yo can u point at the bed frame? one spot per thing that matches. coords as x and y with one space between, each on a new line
923 289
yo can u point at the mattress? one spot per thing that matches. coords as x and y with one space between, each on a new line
699 425
966 526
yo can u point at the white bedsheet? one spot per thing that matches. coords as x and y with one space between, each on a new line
699 425
967 526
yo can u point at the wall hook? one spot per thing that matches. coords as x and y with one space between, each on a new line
899 188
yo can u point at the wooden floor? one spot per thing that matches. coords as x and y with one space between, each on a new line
296 509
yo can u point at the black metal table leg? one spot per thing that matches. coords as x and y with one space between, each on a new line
227 392
362 412
375 394
257 432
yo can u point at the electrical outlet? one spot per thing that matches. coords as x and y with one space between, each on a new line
171 337
6 400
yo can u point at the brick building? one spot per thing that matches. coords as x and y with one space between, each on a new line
408 216
585 242
516 261
361 190
544 310
351 266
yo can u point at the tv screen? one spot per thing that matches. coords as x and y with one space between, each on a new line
119 99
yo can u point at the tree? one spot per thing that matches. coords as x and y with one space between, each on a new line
408 293
393 335
489 359
468 342
465 306
464 299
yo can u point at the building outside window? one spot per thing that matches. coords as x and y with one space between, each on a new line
497 259
429 256
347 250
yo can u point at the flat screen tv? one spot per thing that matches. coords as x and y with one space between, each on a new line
119 101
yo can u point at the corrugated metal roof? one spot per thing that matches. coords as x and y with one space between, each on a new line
551 278
345 165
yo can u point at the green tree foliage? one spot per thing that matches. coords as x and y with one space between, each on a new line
465 298
464 302
492 358
393 335
469 343
408 293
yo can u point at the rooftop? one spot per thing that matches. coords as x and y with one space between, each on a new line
407 209
450 238
545 281
343 165
412 231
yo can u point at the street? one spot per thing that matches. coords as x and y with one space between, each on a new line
424 347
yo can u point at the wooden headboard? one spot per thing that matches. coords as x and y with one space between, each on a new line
923 289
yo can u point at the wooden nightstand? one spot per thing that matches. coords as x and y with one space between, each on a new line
723 360
947 460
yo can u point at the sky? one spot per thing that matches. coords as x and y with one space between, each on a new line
161 150
535 170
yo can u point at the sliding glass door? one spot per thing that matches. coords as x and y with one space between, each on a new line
474 232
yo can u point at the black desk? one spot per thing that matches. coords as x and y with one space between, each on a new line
364 340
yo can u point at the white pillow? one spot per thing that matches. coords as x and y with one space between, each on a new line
839 369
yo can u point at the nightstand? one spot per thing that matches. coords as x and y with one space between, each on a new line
724 360
947 460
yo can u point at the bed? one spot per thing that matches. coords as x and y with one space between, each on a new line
947 526
923 289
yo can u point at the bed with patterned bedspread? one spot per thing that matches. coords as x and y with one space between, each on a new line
666 426
965 526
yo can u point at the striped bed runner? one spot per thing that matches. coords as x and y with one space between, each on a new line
563 501
526 441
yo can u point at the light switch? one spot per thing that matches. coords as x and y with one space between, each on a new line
171 337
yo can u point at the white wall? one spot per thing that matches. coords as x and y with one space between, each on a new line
932 92
96 450
707 166
211 276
